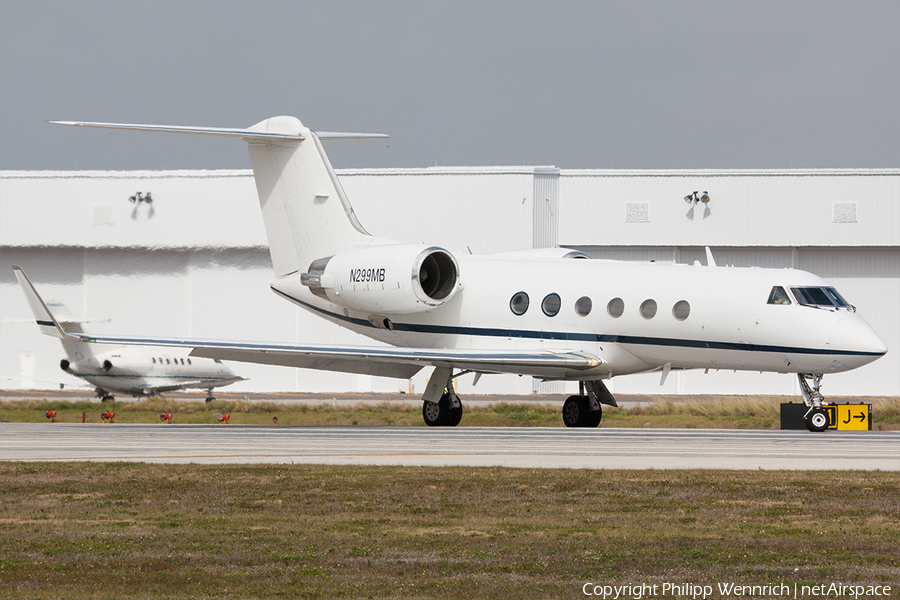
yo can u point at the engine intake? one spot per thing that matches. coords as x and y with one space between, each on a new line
383 280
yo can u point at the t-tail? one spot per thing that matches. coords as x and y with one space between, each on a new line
306 213
56 325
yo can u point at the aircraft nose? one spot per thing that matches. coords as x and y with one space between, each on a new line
855 335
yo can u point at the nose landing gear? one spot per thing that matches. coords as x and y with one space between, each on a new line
816 418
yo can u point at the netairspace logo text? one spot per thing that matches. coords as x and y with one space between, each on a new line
700 592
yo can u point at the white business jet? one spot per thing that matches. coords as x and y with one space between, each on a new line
135 370
548 313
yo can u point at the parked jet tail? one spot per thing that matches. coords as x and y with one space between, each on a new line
47 323
306 213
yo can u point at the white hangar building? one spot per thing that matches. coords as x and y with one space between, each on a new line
194 262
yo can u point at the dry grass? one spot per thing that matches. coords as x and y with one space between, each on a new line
190 531
750 412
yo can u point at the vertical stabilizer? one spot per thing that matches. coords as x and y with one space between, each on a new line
75 350
305 211
48 323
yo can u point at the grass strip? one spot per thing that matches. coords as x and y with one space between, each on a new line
124 530
715 413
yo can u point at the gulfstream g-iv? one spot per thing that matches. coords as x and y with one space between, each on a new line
552 314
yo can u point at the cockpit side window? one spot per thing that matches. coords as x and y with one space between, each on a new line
778 296
812 296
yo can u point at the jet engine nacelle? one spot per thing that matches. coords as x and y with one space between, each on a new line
85 366
393 279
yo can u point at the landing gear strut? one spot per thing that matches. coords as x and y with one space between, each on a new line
209 396
584 410
816 418
446 411
103 395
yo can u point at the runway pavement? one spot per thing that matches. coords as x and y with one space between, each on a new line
459 446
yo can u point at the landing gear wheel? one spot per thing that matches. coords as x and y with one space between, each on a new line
455 416
574 411
210 398
437 414
817 420
593 418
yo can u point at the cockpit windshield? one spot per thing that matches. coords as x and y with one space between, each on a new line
820 296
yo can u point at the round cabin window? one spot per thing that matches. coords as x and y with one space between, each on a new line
616 307
551 305
519 303
681 310
583 306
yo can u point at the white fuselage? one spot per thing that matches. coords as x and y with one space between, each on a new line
729 324
145 371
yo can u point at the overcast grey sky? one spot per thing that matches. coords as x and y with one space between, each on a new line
675 84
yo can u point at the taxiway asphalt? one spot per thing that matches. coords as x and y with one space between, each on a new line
459 446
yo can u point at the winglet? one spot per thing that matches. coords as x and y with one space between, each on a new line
47 323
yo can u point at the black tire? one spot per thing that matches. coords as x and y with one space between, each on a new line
574 410
817 420
437 414
455 416
594 418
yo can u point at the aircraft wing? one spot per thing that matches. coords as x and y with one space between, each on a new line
401 363
388 361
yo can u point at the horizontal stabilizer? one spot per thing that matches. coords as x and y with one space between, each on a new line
250 135
337 135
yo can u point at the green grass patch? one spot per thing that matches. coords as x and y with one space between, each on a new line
124 530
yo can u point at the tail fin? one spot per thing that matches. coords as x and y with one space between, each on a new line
306 213
48 324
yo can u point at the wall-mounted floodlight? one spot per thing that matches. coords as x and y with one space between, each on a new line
141 198
693 198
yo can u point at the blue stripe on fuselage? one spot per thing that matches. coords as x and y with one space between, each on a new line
579 337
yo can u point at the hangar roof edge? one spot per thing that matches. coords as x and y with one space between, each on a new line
496 170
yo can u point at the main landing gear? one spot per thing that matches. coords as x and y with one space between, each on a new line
441 407
584 410
104 395
446 412
816 417
209 396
